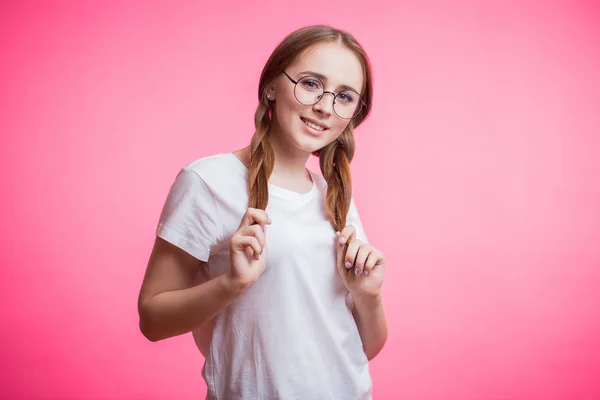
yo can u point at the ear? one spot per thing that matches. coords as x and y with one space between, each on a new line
271 93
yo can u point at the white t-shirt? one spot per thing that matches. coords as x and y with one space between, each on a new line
292 334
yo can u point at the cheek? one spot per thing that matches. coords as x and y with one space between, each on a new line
287 111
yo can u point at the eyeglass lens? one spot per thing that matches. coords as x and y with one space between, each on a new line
309 90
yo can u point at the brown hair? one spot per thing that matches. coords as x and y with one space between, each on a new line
334 158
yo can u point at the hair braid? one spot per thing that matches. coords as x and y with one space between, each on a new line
262 158
335 165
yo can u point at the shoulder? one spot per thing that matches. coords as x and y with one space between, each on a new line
353 216
220 177
216 170
215 164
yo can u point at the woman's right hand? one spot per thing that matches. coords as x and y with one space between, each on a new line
248 250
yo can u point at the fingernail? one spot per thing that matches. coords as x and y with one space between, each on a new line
348 265
366 273
357 271
342 240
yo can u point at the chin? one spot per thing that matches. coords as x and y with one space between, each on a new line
310 144
305 139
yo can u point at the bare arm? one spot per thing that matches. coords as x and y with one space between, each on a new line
370 319
168 304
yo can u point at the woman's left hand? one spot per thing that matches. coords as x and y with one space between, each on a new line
360 265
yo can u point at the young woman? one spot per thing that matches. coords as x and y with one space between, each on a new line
265 261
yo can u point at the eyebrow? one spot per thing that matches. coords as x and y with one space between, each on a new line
324 78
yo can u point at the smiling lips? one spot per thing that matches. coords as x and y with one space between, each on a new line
314 124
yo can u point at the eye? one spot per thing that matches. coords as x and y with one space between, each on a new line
347 97
311 84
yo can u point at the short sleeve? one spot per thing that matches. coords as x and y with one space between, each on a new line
353 218
189 218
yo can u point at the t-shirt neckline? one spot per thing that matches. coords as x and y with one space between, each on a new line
278 190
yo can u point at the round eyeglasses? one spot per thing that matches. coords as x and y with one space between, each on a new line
309 90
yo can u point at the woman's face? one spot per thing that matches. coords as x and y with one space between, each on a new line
312 127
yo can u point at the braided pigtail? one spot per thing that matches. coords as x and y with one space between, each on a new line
335 165
262 158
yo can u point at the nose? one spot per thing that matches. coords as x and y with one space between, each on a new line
325 106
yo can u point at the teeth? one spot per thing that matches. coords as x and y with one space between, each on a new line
317 127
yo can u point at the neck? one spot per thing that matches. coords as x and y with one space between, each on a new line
290 162
290 173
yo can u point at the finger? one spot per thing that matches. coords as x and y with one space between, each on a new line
240 242
255 216
361 258
380 262
257 232
372 260
347 234
350 257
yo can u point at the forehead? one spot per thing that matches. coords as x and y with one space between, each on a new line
336 62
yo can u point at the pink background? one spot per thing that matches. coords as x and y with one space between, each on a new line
477 175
